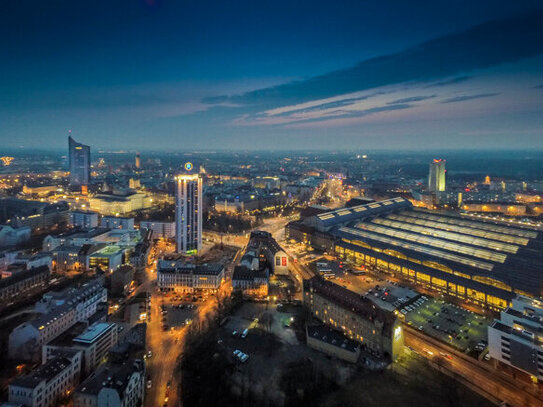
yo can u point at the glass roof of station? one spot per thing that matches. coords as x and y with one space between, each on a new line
457 237
344 215
353 233
476 224
431 241
407 217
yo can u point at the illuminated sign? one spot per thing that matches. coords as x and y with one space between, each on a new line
188 166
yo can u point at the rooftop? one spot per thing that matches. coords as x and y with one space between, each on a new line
45 372
109 250
332 337
479 249
22 275
351 301
112 375
93 332
344 215
243 273
165 266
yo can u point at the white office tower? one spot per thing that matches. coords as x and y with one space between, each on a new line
436 178
188 213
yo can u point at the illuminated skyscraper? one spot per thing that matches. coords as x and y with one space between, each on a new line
138 161
79 157
436 178
188 212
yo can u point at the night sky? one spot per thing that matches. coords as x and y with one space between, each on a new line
182 75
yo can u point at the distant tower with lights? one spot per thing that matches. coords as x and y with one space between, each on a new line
79 157
188 211
437 175
138 161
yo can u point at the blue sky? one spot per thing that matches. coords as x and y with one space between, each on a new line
177 75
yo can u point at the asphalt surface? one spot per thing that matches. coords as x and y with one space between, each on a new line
477 375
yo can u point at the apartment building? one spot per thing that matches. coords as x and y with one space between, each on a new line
175 275
164 230
117 222
93 343
516 339
251 283
113 385
22 281
378 331
84 219
49 383
59 311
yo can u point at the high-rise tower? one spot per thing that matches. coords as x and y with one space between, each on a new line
188 212
436 177
138 161
79 158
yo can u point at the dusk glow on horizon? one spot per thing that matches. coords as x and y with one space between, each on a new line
224 75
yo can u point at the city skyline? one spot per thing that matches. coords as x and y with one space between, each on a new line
437 76
287 203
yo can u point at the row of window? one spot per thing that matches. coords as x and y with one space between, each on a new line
418 277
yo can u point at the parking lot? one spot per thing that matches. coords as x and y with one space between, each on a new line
447 322
177 311
386 294
178 315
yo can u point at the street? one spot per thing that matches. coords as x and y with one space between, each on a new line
482 378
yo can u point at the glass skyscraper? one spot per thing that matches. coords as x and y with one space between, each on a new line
436 178
188 213
79 157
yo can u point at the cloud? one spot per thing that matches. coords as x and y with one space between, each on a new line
215 100
312 118
448 82
469 97
539 86
483 46
342 101
411 99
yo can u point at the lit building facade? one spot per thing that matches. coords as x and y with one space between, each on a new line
476 260
59 312
188 213
251 283
49 383
160 229
120 203
93 343
378 331
516 339
117 222
84 219
181 277
22 281
113 385
436 177
79 156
